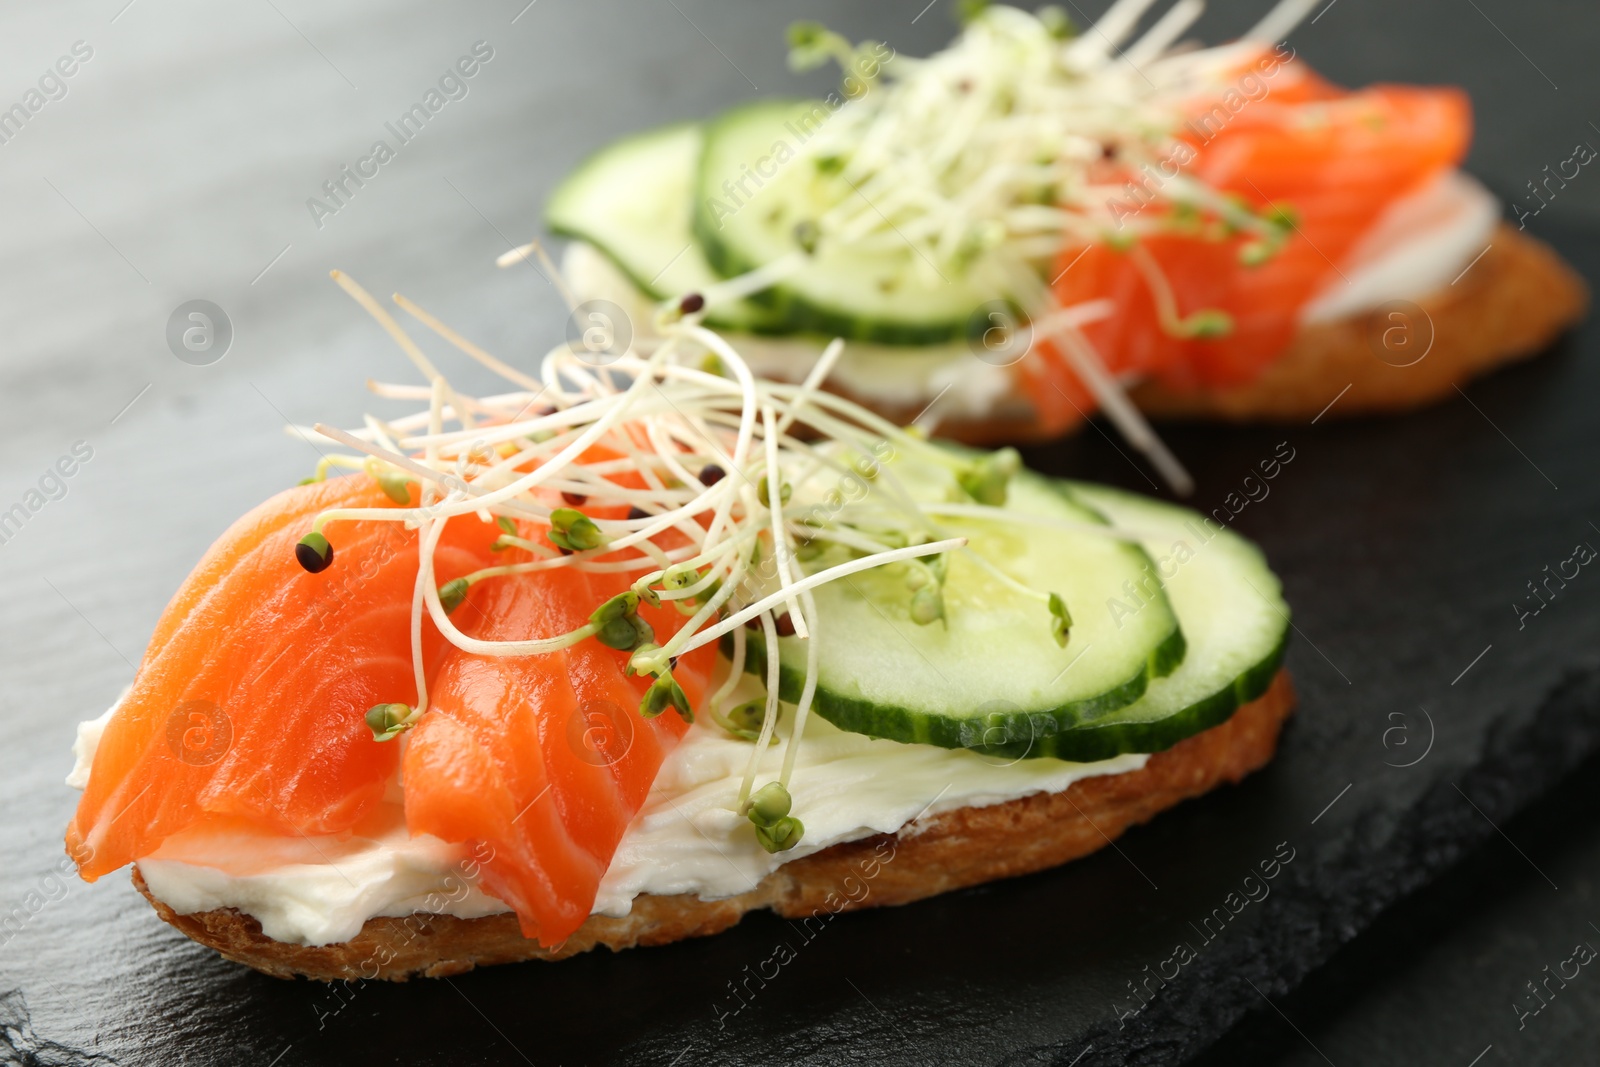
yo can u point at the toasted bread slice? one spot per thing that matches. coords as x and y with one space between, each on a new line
951 850
1508 306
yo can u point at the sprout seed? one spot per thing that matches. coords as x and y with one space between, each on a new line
387 721
769 804
574 531
782 835
314 552
452 593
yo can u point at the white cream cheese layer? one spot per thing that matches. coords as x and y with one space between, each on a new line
687 838
317 890
846 786
83 746
1418 246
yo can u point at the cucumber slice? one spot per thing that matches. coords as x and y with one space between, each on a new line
754 187
883 675
1235 624
1233 614
631 200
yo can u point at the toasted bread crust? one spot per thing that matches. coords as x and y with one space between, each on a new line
951 850
1508 306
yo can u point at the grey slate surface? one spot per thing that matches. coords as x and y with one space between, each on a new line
177 167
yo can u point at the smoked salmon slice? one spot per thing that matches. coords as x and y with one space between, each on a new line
543 758
251 697
1334 161
250 706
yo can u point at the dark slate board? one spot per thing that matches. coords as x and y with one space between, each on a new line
1403 544
1464 948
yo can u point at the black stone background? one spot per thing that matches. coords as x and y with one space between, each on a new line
1416 905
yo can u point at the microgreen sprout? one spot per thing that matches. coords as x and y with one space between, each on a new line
452 593
649 658
388 721
925 579
680 576
769 804
969 10
927 605
574 531
768 808
665 693
1283 216
743 721
708 594
806 236
1120 240
1255 253
617 623
1280 220
327 463
1060 619
314 552
764 494
508 538
986 478
1055 20
812 44
395 486
1208 324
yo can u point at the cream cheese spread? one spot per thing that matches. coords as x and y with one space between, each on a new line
686 839
1418 246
